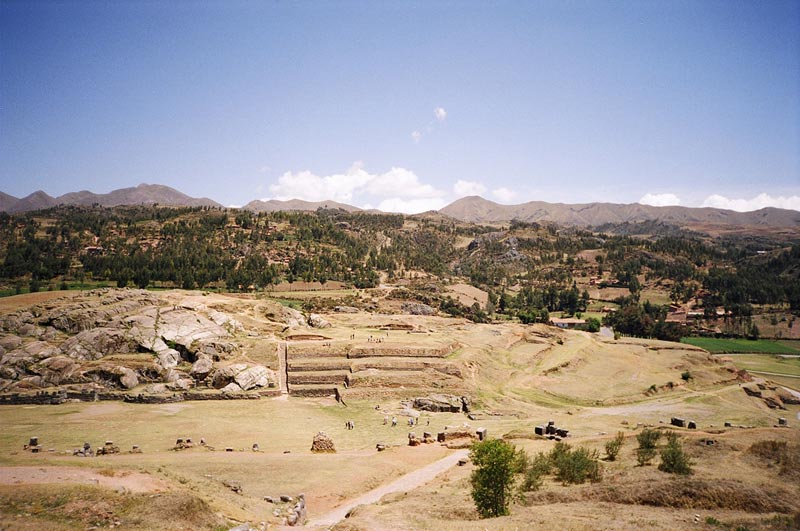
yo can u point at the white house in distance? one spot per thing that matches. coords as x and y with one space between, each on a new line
567 322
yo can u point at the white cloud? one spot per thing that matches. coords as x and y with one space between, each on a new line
465 188
416 135
411 206
660 200
397 190
504 195
440 113
746 205
400 182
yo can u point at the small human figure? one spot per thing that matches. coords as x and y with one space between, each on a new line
385 420
394 422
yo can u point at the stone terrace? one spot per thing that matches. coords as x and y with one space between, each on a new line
322 368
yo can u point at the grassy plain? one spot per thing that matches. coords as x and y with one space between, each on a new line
517 377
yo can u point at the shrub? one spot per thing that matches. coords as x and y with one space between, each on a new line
614 446
575 465
646 451
592 324
497 462
534 471
686 376
786 456
673 459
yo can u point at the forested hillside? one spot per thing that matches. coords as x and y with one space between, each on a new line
528 269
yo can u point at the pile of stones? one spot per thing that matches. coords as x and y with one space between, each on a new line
322 443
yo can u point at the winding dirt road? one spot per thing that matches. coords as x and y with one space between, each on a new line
405 483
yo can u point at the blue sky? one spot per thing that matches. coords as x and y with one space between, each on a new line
406 106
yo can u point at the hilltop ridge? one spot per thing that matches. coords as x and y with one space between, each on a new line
473 209
476 209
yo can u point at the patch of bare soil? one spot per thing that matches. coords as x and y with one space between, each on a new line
16 302
82 507
122 480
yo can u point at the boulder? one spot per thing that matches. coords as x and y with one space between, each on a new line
317 321
256 376
30 330
417 308
169 358
439 403
232 389
345 309
222 376
181 384
10 342
171 375
156 389
288 316
127 377
202 367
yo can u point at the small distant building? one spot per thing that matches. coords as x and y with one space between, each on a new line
568 322
676 317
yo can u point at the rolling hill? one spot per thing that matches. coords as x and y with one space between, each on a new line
476 209
142 194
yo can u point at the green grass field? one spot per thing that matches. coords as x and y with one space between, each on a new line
769 363
739 346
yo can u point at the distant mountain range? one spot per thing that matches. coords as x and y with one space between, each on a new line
479 210
144 194
473 209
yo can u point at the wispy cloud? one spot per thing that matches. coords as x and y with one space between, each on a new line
660 200
762 200
439 115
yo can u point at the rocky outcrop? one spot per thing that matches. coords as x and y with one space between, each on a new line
317 321
442 403
97 343
345 309
226 321
245 377
417 308
58 370
281 314
29 353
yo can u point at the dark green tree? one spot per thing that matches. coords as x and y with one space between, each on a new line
496 464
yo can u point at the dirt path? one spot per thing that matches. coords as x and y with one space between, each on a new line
129 481
405 483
